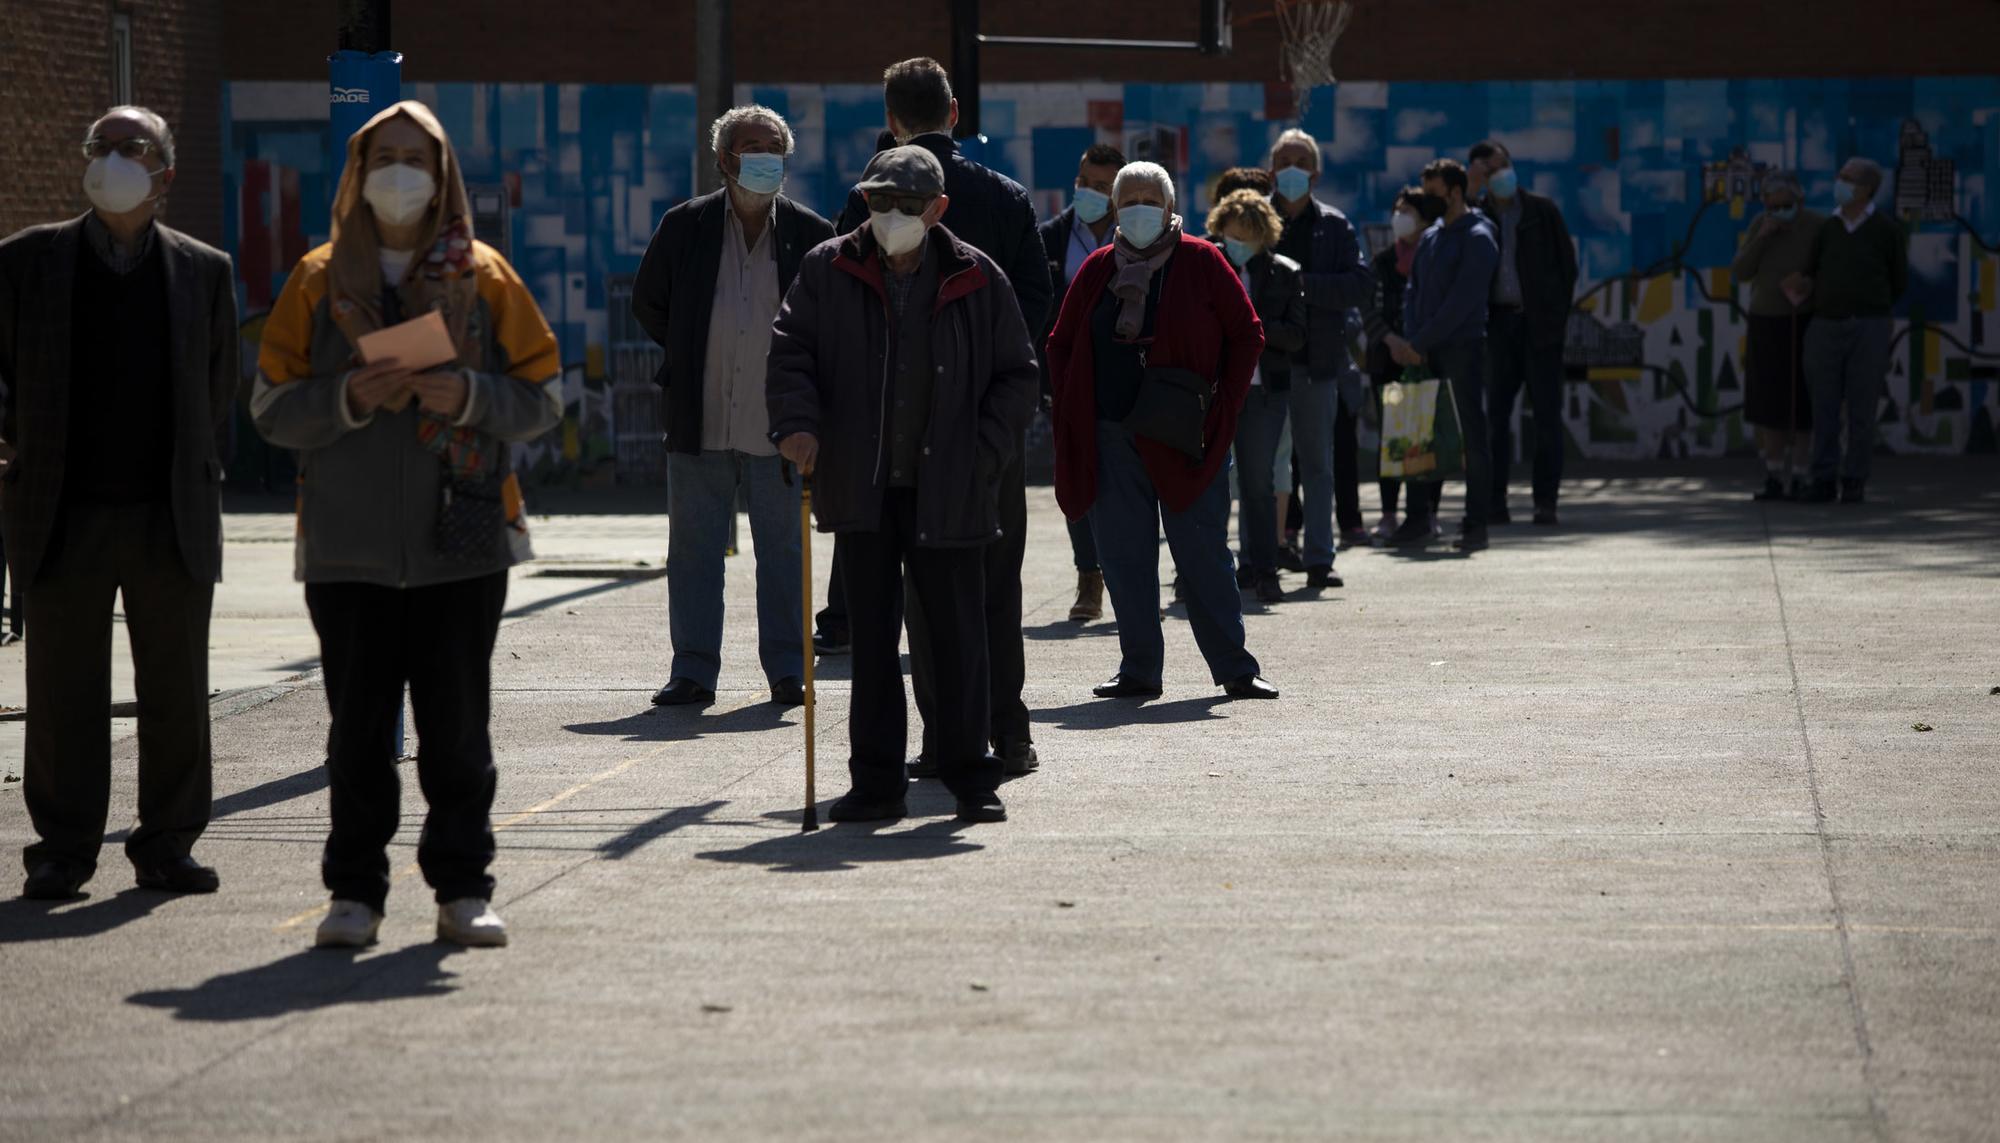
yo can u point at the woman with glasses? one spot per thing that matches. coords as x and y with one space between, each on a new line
409 511
1151 358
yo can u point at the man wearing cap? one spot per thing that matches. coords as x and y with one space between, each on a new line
901 376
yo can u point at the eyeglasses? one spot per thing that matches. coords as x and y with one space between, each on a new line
134 147
882 202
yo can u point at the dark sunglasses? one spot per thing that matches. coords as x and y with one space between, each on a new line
135 147
882 202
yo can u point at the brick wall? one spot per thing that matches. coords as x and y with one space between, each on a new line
55 78
835 41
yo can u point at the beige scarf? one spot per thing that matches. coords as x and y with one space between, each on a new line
1134 276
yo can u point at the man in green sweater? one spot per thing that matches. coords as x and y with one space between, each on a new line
1858 267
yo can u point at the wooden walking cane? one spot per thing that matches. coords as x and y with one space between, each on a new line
806 589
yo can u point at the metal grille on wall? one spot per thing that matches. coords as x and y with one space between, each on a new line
633 362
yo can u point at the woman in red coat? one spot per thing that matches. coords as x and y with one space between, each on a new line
1155 299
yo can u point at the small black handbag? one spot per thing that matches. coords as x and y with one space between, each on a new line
1172 409
472 518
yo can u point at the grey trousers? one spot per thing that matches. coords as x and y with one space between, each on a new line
1847 361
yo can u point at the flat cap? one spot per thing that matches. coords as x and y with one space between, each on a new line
903 170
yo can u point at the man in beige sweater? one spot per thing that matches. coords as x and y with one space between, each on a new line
1777 244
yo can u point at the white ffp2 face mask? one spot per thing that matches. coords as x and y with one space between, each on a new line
897 233
1405 225
399 194
116 184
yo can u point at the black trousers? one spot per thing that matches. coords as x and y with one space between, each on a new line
1006 657
1514 362
949 584
832 619
439 640
97 554
1346 461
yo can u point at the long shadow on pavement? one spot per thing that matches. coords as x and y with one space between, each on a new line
1100 714
844 847
307 980
24 922
682 724
277 791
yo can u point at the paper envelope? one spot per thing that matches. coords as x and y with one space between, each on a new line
417 344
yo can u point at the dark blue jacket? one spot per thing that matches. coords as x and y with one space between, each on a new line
1450 282
1336 279
990 213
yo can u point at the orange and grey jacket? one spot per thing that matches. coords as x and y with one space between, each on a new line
369 490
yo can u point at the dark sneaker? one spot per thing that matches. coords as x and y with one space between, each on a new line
982 808
1545 516
1500 515
1018 758
1269 590
1414 531
1323 577
1471 540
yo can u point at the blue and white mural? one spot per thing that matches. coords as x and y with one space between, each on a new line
1656 178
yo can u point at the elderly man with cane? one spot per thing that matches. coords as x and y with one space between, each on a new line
900 378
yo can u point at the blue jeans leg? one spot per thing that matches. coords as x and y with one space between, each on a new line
1126 523
701 497
1258 429
1866 374
774 529
1313 405
1199 540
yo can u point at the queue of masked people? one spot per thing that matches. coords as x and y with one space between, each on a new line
895 360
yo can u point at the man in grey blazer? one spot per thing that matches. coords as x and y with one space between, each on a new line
118 358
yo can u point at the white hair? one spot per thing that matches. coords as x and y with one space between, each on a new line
1150 174
1295 136
1870 170
156 126
722 133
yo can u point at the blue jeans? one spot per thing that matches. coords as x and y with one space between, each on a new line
1314 405
1127 520
701 497
1259 428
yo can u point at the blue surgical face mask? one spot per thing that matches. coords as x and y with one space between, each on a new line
760 174
1294 183
1240 252
1844 191
1091 205
1142 225
1504 182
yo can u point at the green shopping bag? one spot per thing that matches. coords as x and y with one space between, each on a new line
1420 434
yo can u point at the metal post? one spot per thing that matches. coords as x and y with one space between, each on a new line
364 76
714 83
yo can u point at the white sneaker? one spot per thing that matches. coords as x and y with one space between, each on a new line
471 922
348 925
1385 527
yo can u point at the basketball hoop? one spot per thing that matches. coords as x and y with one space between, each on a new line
1310 29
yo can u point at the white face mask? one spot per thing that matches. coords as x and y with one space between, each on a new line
1404 224
399 194
897 233
117 185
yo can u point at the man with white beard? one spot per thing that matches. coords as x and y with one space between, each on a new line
707 291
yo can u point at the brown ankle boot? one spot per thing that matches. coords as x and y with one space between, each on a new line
1089 604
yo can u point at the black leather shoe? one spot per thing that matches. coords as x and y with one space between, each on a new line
1118 686
854 807
788 692
1852 492
1018 758
922 767
1821 492
1251 687
1472 540
1774 489
55 881
1269 590
831 644
1500 515
181 875
1323 577
684 692
1545 516
982 808
1413 532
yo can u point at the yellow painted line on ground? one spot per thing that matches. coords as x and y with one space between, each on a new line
318 911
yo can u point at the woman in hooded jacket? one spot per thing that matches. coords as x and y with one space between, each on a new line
409 513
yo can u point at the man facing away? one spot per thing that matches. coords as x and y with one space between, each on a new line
707 291
993 215
901 378
1444 328
1533 288
118 355
1858 268
1067 239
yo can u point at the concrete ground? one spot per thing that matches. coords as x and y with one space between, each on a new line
1679 822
